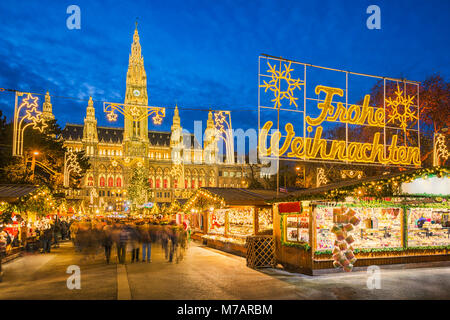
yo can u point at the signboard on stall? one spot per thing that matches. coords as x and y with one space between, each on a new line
314 113
427 186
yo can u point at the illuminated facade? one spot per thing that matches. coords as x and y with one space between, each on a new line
177 164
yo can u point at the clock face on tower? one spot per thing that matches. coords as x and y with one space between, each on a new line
136 92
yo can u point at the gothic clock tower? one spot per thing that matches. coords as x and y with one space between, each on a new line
136 132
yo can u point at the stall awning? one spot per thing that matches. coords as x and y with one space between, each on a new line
381 181
12 192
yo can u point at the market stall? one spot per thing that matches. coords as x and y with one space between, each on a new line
224 217
371 221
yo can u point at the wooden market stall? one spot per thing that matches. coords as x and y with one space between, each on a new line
390 219
224 217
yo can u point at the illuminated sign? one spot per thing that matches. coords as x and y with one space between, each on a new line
324 120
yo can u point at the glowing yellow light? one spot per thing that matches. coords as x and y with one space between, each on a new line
402 116
316 147
282 85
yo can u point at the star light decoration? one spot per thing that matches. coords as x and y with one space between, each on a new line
222 124
133 112
32 114
397 114
282 85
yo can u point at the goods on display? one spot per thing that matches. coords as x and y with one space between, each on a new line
428 227
240 221
345 221
297 228
378 227
265 219
217 221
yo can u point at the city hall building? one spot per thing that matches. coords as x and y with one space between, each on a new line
176 162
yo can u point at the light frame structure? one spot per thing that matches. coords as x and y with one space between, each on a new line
285 100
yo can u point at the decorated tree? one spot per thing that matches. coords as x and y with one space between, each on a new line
49 166
138 188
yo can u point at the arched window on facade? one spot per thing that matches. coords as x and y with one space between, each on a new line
185 183
158 183
102 181
90 181
193 184
165 184
110 182
175 183
150 183
119 182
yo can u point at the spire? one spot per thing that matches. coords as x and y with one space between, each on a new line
47 108
210 122
136 54
90 125
90 110
176 122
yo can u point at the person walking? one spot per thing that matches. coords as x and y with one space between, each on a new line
146 242
122 245
48 235
107 242
134 243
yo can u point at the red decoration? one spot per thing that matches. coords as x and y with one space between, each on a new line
289 207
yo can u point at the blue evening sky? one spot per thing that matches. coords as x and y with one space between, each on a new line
204 54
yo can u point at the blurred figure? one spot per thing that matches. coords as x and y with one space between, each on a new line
122 245
146 242
134 241
107 242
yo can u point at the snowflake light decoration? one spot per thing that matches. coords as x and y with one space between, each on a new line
397 114
282 85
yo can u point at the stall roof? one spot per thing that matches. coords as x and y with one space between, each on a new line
354 183
243 197
12 192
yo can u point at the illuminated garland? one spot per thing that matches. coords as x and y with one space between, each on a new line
382 188
205 194
373 250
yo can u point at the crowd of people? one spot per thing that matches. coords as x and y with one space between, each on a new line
135 238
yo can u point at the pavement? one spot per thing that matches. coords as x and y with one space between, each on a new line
206 273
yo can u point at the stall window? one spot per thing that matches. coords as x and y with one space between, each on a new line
265 220
297 228
216 221
379 227
428 227
241 221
